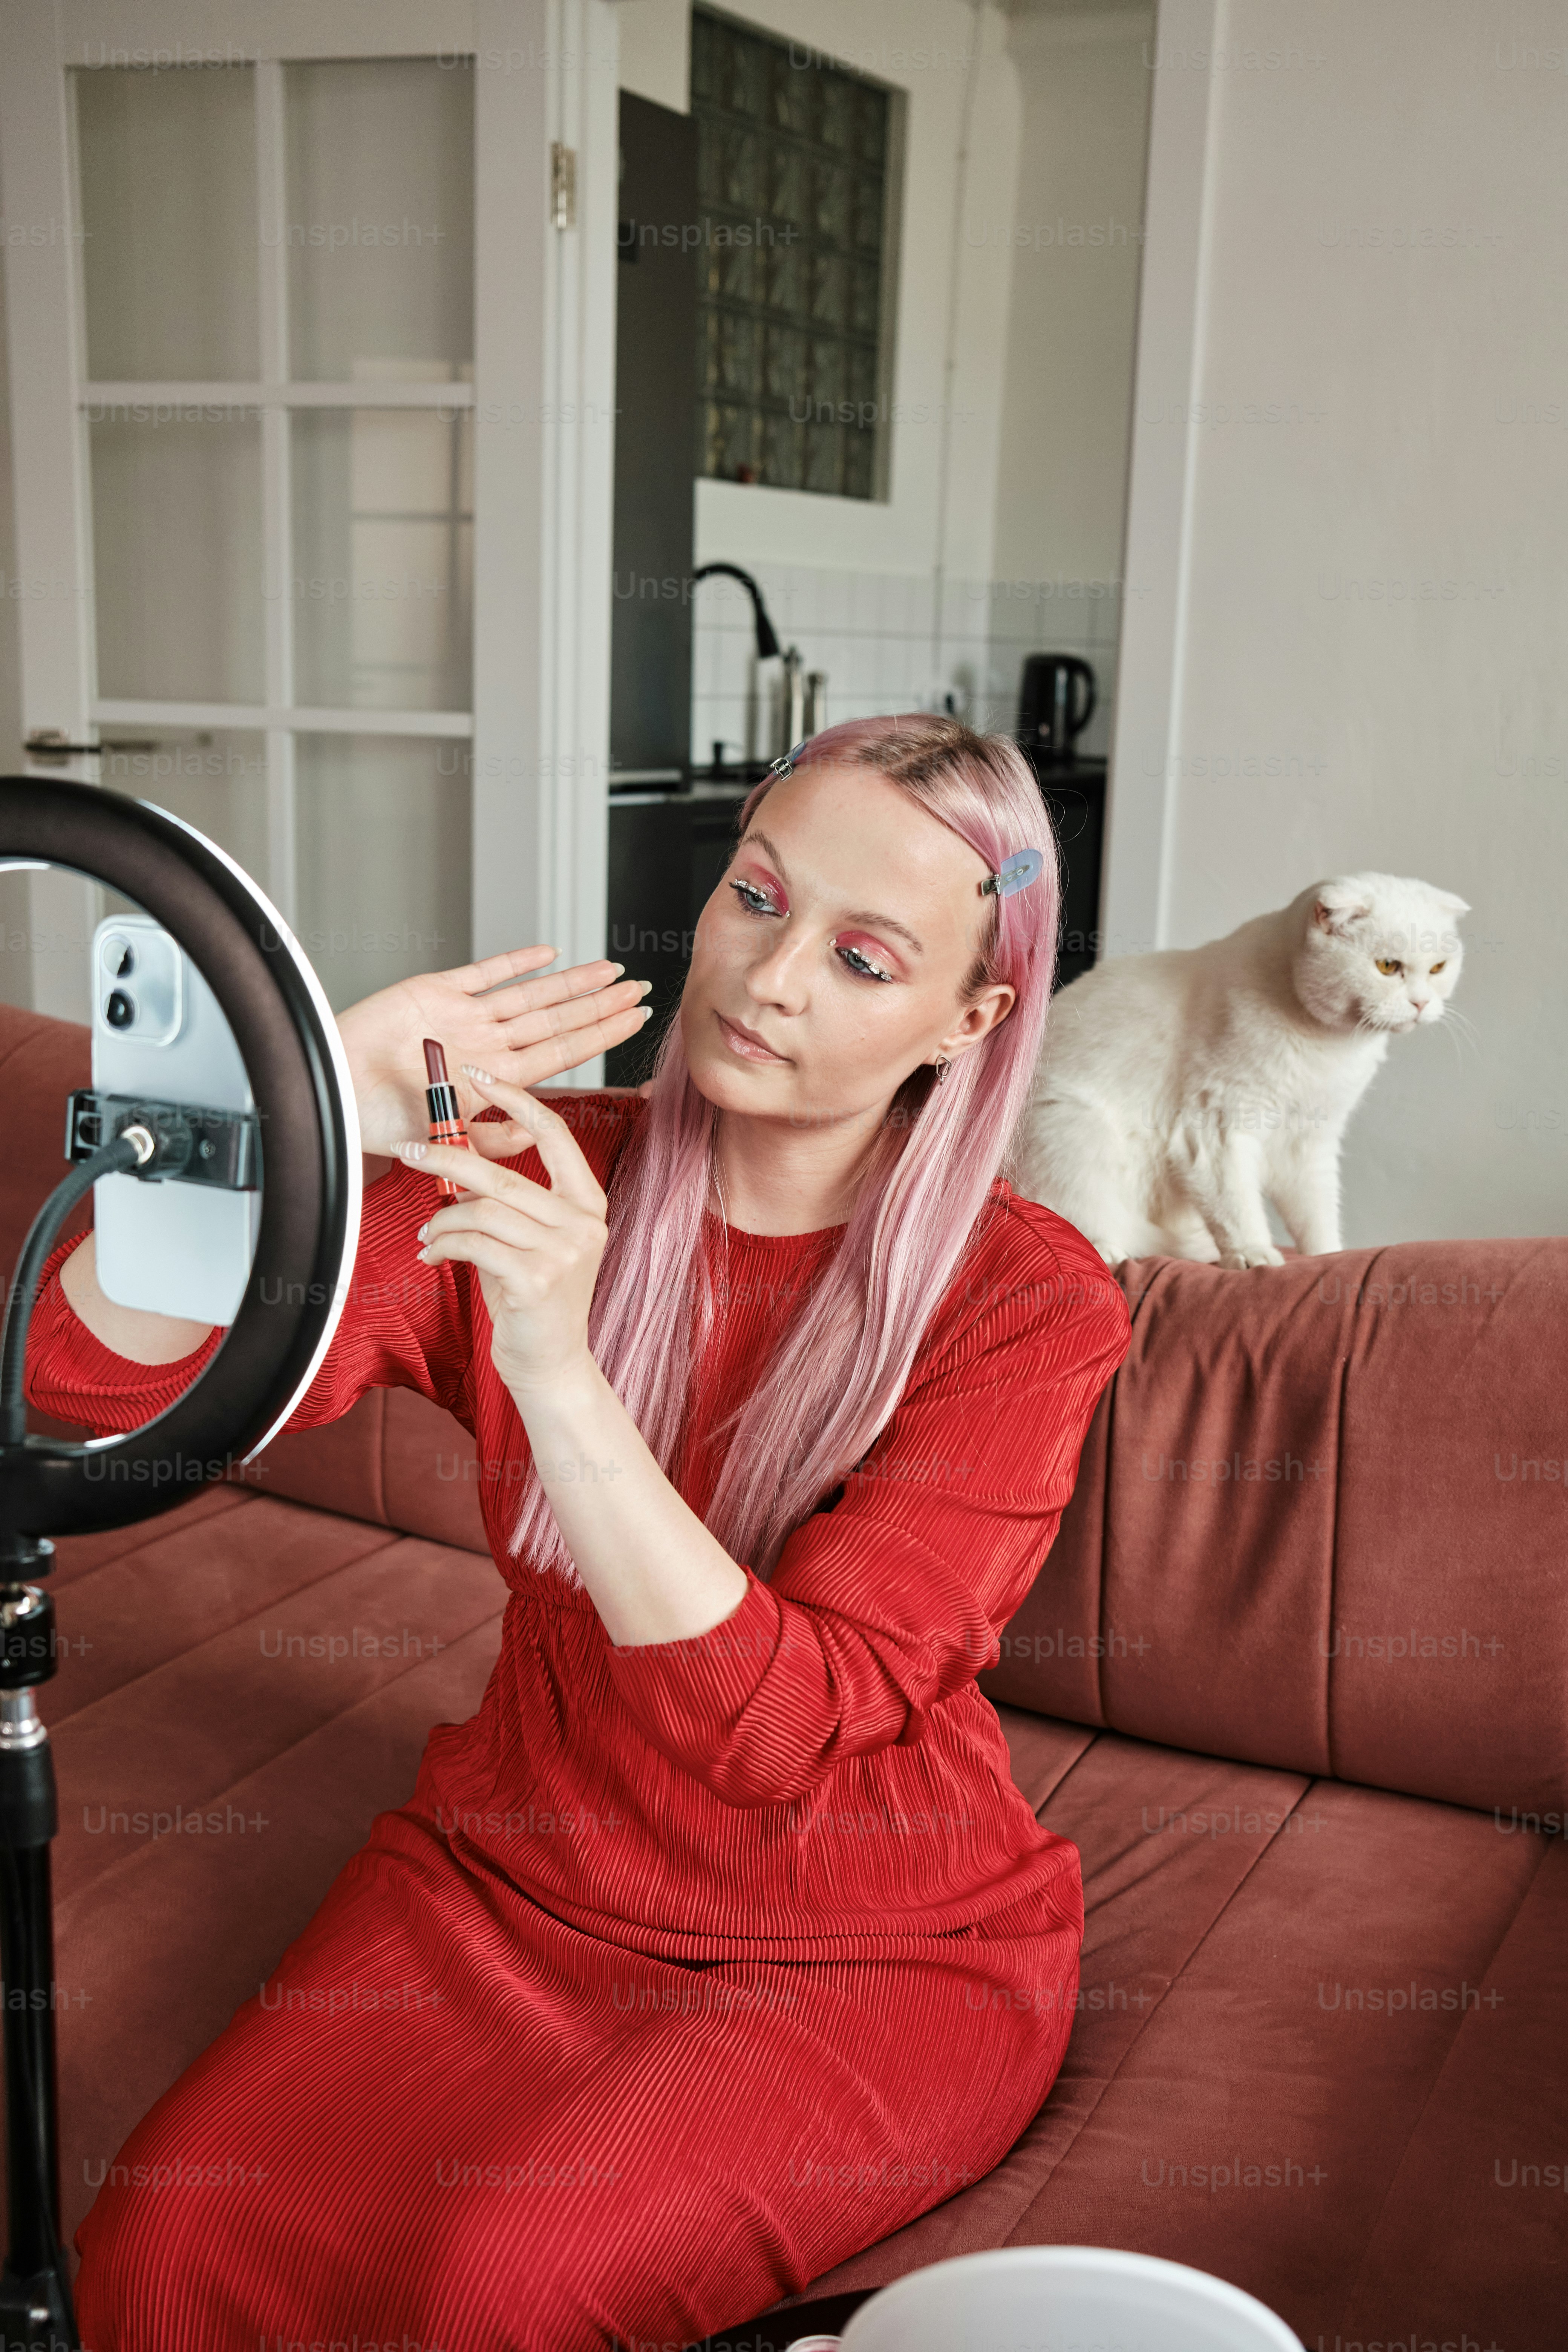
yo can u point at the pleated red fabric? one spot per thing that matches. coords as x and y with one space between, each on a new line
732 1955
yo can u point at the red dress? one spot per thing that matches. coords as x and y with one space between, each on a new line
734 1954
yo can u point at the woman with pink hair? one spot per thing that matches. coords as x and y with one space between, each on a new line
741 1946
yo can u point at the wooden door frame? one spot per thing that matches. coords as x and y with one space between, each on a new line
1142 801
543 399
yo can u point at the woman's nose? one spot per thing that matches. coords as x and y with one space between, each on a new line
774 976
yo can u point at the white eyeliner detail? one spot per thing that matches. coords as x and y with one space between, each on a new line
867 970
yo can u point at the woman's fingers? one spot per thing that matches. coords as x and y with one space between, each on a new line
476 1249
479 1214
570 1178
511 981
571 1181
534 1060
513 1005
489 971
498 1139
476 1175
571 1020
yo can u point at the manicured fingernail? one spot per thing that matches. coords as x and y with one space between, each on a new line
423 1256
413 1150
480 1077
645 1013
423 1234
646 986
617 969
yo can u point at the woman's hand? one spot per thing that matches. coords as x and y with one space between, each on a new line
488 1013
652 1569
537 1252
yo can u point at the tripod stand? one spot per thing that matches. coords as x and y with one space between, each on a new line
35 2287
309 1230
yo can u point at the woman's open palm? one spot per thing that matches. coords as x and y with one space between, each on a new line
493 1013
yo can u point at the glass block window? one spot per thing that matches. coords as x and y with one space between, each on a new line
793 155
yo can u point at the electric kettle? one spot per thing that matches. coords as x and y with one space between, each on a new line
1052 714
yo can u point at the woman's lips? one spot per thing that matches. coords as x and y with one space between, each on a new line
747 1043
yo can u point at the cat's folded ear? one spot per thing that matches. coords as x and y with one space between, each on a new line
1340 905
1451 904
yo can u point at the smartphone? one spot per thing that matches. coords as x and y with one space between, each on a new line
158 1030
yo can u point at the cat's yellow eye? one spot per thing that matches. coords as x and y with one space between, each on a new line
1388 964
1437 967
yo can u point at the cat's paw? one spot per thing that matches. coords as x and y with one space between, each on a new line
1253 1254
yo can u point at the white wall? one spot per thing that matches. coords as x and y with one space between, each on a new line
655 50
1075 229
1074 240
1375 594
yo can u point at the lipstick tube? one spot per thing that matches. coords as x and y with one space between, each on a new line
441 1102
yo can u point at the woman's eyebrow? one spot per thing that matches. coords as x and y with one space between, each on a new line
860 914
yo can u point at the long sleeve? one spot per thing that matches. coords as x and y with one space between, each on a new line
404 1325
888 1601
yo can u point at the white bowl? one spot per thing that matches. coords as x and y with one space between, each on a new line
1064 2299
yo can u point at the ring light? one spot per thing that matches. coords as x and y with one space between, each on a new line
309 1232
299 1079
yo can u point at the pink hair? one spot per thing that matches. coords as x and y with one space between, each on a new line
832 1382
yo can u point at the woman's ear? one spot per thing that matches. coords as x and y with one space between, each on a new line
980 1015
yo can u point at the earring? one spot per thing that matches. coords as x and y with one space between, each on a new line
942 1068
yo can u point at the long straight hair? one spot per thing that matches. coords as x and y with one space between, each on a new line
836 1374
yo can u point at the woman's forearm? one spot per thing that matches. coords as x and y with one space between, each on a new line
127 1331
652 1569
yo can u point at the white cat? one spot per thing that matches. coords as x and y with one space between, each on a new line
1179 1091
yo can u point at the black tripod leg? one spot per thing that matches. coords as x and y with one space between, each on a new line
36 2312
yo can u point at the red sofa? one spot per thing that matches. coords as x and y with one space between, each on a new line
1292 1678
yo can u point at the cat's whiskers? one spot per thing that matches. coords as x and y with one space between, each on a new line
1465 1032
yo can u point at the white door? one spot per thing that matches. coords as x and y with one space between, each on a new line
313 391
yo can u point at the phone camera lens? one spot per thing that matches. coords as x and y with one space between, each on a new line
120 1010
126 965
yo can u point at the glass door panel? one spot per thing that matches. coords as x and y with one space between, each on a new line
278 554
215 778
380 221
383 858
177 558
169 221
383 583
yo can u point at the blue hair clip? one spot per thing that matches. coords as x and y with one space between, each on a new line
1015 873
785 766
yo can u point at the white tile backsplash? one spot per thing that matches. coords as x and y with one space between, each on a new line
872 632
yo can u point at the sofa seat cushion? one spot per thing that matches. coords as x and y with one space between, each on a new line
1319 1524
243 1684
1311 2020
1279 1971
394 1458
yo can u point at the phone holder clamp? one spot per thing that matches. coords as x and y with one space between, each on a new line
219 1150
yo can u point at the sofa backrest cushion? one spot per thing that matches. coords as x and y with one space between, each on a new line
41 1062
395 1458
1322 1522
1320 1519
